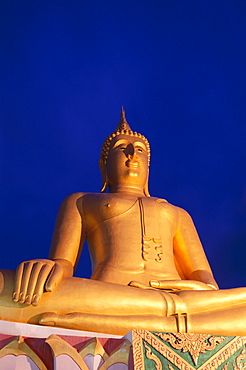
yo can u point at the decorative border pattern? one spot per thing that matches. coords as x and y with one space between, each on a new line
149 345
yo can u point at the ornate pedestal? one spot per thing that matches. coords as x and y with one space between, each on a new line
31 347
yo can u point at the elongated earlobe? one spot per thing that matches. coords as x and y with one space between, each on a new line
103 170
146 189
104 187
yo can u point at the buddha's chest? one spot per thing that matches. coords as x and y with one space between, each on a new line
128 220
98 208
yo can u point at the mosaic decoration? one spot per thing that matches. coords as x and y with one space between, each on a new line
176 351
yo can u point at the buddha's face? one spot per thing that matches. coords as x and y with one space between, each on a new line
127 162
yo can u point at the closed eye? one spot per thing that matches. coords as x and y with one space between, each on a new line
140 149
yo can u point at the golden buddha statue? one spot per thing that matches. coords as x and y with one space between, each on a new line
149 268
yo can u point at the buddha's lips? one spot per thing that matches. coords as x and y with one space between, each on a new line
132 164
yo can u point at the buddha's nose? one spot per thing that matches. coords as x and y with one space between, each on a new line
132 153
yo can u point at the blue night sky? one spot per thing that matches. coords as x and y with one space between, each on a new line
177 66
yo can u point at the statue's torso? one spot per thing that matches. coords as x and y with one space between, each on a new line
129 238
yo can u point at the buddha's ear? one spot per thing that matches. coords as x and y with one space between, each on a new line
146 189
102 166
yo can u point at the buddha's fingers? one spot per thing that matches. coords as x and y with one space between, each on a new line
74 320
179 285
137 284
31 292
18 280
27 275
27 272
49 319
39 281
54 278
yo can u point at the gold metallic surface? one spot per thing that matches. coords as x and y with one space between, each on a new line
149 268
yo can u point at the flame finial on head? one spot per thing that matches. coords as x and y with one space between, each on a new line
123 124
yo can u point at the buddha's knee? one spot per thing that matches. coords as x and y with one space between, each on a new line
6 281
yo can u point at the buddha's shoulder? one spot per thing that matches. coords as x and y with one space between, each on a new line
166 206
80 195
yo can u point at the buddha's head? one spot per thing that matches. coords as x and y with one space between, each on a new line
125 158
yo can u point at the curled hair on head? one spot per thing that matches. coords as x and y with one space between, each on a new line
122 128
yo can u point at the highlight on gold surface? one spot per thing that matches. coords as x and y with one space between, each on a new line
149 269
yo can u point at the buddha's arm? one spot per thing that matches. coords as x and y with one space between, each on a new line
39 275
67 236
189 252
190 257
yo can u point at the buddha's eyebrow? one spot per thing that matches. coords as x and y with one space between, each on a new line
119 142
126 142
139 143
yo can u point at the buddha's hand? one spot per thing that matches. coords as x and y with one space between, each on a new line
138 284
37 276
177 285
